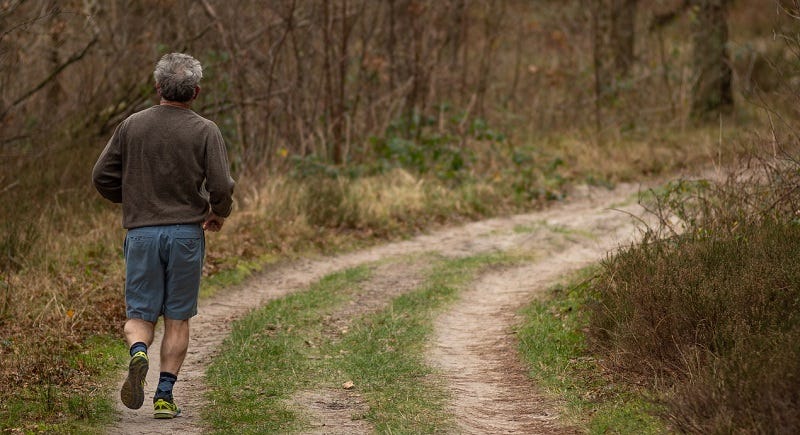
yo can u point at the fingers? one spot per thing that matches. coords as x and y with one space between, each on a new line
212 225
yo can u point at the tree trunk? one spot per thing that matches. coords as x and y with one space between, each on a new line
601 57
54 89
711 92
613 28
623 33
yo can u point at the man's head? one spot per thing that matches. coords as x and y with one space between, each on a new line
178 77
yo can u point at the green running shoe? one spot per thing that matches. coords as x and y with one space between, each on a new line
132 392
163 408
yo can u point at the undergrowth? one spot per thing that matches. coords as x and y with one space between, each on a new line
705 310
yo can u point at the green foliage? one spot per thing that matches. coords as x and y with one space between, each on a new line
480 130
416 143
312 167
534 177
423 145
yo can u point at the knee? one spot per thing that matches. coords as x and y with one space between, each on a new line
176 324
139 330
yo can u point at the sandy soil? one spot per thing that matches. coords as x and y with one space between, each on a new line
473 344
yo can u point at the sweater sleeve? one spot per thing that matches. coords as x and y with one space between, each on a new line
218 177
107 172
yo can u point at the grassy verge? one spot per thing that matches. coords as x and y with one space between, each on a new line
83 409
284 348
552 343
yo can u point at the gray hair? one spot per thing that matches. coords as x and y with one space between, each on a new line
177 75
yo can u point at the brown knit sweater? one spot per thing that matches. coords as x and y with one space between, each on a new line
166 165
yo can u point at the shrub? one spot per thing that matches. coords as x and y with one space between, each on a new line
708 308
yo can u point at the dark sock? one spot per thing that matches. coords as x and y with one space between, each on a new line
165 383
138 347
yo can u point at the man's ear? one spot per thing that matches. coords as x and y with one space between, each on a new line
158 89
196 92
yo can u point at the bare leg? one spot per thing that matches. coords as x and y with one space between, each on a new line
174 345
132 392
139 330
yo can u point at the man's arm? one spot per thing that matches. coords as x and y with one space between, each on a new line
219 182
107 172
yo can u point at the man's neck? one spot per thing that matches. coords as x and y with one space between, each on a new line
175 103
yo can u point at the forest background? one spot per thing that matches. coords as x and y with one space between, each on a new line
350 122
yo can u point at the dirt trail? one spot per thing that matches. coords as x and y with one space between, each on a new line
492 301
474 344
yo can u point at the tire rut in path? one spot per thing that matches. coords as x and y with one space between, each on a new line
213 322
474 344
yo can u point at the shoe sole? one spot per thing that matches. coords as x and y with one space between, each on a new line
132 392
166 414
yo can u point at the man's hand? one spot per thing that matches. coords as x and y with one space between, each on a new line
213 222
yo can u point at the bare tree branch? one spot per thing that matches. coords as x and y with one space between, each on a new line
74 58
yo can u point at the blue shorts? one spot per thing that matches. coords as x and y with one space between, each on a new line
163 265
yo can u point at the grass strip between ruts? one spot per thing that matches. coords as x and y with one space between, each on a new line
552 344
272 353
282 349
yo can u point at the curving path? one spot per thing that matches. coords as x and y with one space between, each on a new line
473 343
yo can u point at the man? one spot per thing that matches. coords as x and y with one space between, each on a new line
168 167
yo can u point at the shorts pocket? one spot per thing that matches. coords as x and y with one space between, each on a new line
137 245
190 248
189 244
